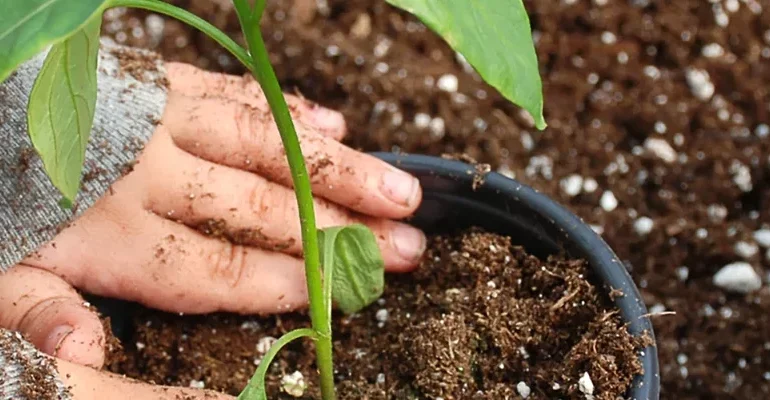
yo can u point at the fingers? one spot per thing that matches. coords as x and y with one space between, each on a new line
88 384
251 210
168 266
196 83
231 133
51 314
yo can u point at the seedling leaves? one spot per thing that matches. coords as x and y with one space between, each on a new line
27 27
62 104
357 275
495 37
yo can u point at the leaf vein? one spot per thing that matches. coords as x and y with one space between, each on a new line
27 18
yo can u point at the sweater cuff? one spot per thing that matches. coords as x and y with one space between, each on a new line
25 373
131 98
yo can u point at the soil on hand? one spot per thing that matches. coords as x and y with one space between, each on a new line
480 319
674 173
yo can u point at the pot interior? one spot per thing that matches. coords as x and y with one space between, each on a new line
457 195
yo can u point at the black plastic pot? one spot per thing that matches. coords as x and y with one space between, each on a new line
534 221
505 206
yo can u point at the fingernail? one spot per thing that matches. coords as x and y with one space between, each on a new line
400 187
325 118
56 338
408 242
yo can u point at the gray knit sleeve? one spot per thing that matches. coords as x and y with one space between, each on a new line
25 373
131 99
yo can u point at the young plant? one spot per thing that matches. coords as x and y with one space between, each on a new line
343 265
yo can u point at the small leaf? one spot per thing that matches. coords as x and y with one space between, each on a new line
255 390
29 26
61 107
496 39
358 271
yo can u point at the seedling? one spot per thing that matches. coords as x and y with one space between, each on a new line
343 265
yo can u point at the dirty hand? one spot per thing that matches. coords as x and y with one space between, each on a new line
207 220
88 384
29 374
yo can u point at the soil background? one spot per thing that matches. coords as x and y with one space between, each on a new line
615 75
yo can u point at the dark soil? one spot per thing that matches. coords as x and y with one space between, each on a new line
614 76
477 320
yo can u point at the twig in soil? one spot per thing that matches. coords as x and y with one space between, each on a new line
608 315
662 313
562 301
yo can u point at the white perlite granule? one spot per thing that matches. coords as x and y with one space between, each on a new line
738 277
197 384
608 201
523 390
586 386
381 315
294 384
745 249
661 149
590 185
762 237
643 225
264 344
712 50
448 83
716 212
572 185
421 120
700 83
741 176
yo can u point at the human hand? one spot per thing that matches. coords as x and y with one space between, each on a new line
88 384
27 373
215 164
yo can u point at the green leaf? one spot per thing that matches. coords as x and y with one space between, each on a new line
61 107
255 390
357 269
496 39
29 26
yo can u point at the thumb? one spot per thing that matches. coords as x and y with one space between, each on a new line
51 314
89 384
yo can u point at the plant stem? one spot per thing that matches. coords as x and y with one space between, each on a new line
259 64
193 20
265 75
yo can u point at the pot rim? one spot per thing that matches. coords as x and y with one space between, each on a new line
583 240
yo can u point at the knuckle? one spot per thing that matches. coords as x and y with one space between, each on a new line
258 199
228 263
39 311
255 89
215 83
330 214
298 108
250 127
271 203
329 165
244 121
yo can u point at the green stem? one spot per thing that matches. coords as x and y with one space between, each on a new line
257 382
259 9
265 75
193 20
